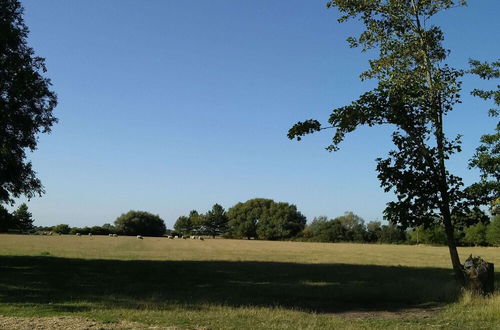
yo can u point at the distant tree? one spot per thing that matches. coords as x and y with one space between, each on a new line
265 219
475 234
81 231
183 225
215 222
6 219
105 229
346 228
392 234
23 218
140 223
316 228
197 220
433 234
334 232
26 104
61 229
243 217
191 224
415 89
493 231
354 227
280 221
109 228
373 231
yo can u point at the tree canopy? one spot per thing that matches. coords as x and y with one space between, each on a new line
415 90
190 224
215 221
140 223
26 105
23 218
265 219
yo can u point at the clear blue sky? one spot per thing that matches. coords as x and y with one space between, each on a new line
168 106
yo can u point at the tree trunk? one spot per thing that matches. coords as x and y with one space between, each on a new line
441 166
455 259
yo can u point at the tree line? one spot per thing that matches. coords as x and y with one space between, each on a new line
266 219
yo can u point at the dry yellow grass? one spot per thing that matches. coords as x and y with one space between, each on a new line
130 248
236 284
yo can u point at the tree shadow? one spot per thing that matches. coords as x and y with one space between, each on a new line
71 284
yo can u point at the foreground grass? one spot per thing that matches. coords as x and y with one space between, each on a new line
239 284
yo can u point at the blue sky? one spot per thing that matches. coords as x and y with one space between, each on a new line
169 106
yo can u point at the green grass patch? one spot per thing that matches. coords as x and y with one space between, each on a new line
239 290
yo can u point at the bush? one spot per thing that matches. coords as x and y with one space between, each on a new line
61 229
140 223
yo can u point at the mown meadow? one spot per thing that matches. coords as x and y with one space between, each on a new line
235 284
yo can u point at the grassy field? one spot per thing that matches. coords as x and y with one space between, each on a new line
235 284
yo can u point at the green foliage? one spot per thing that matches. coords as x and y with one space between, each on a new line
23 218
353 227
392 234
140 223
493 231
373 231
190 224
319 230
434 235
61 229
265 219
183 225
26 104
215 222
6 219
413 94
487 156
475 234
415 90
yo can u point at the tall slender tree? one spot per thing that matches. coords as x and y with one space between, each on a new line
26 104
415 90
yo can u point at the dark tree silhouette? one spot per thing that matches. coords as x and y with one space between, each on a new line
26 104
23 218
140 223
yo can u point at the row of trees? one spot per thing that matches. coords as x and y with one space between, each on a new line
256 218
269 220
351 228
266 219
130 223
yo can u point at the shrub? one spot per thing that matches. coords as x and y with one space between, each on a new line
140 223
61 229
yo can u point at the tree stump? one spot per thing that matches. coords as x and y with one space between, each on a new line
479 275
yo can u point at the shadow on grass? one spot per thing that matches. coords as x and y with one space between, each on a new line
69 285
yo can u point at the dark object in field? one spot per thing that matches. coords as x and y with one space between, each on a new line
479 275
